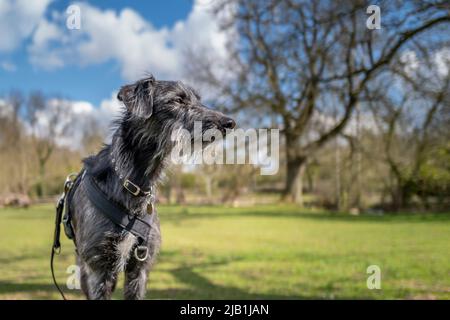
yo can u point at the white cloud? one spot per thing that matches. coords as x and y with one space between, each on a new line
199 31
127 38
6 109
75 116
442 61
111 107
82 108
124 37
40 49
67 121
410 61
18 19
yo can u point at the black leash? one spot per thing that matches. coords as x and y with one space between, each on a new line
52 256
56 247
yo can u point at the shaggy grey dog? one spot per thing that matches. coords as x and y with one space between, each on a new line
140 145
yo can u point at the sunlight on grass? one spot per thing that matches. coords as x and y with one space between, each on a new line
274 252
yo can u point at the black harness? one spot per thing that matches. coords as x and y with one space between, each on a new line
138 226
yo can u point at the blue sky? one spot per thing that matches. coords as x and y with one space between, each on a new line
91 63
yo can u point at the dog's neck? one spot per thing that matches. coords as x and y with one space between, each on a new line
141 163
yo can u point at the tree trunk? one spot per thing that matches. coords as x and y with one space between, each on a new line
309 180
397 199
401 195
168 193
41 190
208 187
295 170
180 197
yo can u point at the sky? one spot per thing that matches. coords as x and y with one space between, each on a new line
117 43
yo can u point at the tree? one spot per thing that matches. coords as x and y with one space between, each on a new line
13 145
406 110
47 120
301 60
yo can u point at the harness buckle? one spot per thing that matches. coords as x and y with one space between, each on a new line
132 188
137 253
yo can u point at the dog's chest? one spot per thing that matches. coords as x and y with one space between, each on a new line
123 249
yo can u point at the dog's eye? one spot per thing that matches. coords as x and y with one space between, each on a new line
178 100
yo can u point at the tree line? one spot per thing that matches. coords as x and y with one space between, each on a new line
364 114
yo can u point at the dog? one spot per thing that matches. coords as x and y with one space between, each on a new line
139 151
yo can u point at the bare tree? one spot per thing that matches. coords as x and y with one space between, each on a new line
13 144
47 121
406 120
300 60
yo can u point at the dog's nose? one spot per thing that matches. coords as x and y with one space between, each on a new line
228 123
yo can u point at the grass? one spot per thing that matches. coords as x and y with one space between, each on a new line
274 252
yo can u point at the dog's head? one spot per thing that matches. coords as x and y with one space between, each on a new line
164 106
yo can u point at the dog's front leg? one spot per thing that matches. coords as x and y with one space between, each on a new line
101 284
136 274
83 277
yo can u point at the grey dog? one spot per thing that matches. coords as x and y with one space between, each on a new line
138 152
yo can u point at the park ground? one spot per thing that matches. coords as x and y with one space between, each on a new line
262 252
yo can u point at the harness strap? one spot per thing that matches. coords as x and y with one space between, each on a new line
138 226
67 218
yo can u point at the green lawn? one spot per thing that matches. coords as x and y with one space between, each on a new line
262 252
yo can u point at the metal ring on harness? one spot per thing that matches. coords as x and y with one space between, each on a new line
69 182
136 253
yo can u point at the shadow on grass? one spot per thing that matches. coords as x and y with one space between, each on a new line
4 261
198 286
14 287
64 256
39 291
203 288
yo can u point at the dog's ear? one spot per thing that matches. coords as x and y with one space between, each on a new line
138 97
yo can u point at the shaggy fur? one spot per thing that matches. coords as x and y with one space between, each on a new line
140 145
